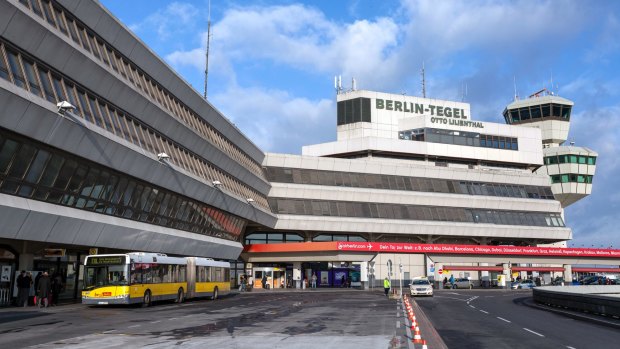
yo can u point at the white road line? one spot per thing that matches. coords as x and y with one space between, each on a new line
536 333
154 322
482 311
569 347
172 318
110 331
472 306
397 324
501 318
133 326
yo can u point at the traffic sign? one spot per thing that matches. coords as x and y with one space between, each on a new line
440 271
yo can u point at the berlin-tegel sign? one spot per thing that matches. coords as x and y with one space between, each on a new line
391 247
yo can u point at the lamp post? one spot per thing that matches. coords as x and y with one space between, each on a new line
400 267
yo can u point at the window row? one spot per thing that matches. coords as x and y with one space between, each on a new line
378 181
537 112
36 171
149 273
29 74
570 159
211 274
273 238
72 28
571 178
353 110
413 212
472 139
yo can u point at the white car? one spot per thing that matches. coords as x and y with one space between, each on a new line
421 287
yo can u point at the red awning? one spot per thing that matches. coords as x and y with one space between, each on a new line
595 270
560 269
472 268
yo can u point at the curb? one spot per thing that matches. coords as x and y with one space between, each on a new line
573 314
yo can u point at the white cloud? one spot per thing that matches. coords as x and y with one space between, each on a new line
176 17
274 120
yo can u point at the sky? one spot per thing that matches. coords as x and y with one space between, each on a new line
272 65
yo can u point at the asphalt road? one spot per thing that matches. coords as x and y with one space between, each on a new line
346 319
502 319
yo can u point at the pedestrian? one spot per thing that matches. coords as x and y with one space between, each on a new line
43 290
452 285
242 283
23 289
445 281
264 280
342 281
313 280
57 287
386 286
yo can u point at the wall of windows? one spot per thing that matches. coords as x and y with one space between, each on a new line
571 178
472 139
570 159
211 274
353 110
149 273
335 237
35 171
260 237
25 72
413 212
378 181
538 113
70 27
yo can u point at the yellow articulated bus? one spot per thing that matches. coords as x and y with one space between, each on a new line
139 277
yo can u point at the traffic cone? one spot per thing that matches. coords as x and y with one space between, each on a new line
424 345
417 338
414 325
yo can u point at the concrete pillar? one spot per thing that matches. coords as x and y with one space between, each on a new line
297 274
505 282
568 274
26 261
485 281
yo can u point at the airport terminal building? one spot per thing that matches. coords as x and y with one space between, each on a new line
104 148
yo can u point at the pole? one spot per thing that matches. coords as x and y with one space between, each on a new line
400 267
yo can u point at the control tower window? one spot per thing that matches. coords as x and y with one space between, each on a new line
566 112
525 113
546 110
557 110
535 110
353 110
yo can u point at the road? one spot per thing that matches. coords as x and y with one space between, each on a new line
502 319
347 319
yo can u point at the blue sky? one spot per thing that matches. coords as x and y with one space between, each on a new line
272 65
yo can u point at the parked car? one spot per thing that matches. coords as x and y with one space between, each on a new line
526 283
462 283
421 287
598 280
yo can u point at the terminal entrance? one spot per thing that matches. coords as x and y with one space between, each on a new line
313 274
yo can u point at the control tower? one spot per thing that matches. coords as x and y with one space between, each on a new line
571 168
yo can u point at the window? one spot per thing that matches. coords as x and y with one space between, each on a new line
47 85
4 71
16 69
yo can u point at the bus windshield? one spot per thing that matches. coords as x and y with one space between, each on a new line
105 275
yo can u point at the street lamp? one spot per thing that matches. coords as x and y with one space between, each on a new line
400 267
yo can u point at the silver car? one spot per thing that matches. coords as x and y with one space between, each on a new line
421 287
462 283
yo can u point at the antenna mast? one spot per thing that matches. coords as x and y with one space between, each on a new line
423 82
207 52
514 80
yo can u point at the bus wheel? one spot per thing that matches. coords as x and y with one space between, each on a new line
180 296
146 301
215 294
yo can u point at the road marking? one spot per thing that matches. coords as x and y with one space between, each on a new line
569 347
482 311
133 326
154 322
472 306
397 323
536 333
110 331
172 318
501 318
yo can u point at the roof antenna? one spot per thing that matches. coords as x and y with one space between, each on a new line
423 82
514 78
463 92
207 52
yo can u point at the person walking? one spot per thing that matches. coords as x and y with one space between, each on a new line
57 286
452 281
242 283
264 280
445 281
386 286
43 290
313 278
23 289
